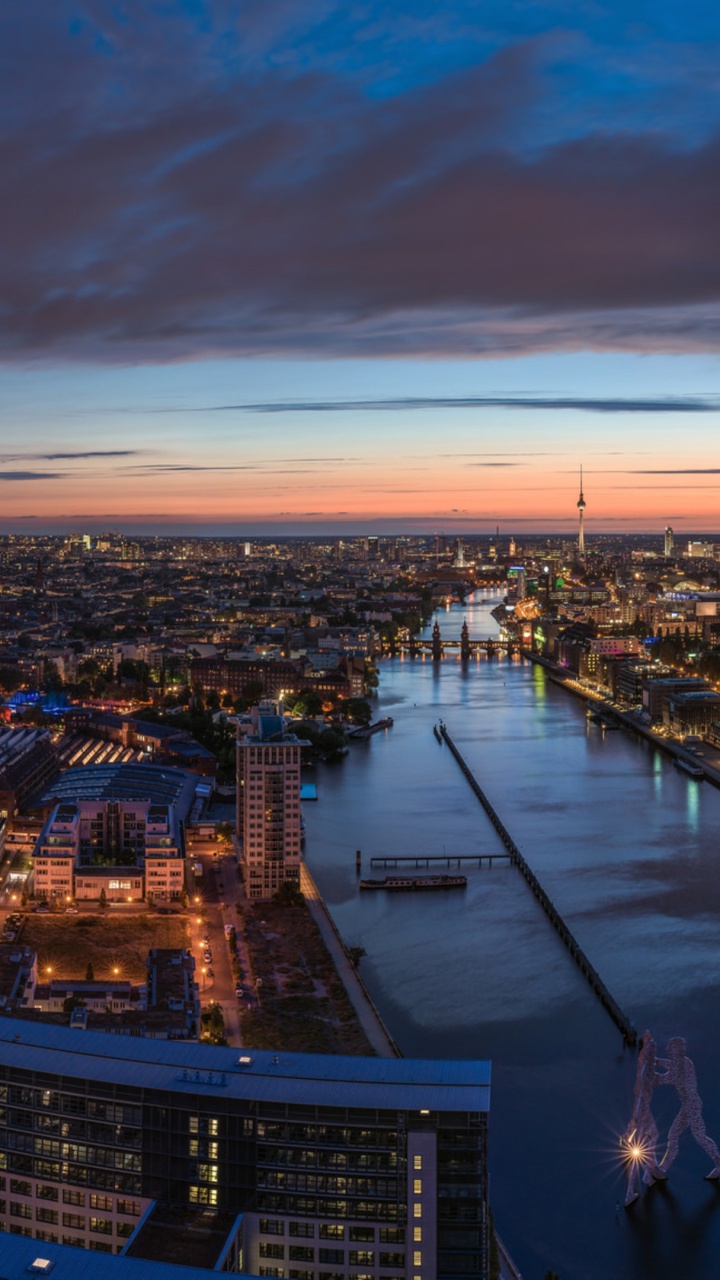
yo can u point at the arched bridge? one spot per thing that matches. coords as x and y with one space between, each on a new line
436 646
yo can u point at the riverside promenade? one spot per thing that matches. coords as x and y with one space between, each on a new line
709 761
368 1016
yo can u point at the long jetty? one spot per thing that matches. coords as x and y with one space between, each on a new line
622 1022
437 859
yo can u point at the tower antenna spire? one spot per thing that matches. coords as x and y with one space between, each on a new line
581 529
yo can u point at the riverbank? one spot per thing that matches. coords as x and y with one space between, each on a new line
372 1024
628 720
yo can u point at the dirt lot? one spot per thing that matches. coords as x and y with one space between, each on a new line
303 1005
70 943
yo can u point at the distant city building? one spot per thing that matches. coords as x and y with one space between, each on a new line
27 764
655 693
669 542
691 711
268 802
701 550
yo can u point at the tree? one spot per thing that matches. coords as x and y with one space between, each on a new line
10 679
103 899
357 710
52 680
253 691
356 954
224 833
289 895
90 973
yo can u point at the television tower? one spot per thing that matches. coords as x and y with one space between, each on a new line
581 530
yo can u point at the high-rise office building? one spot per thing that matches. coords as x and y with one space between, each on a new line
301 1166
268 803
669 542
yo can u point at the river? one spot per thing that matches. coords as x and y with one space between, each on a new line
626 847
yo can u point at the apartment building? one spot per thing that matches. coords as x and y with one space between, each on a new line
340 1167
268 802
126 849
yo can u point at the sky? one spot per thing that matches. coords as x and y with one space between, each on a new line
335 266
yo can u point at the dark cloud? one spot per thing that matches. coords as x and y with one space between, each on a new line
56 457
171 192
679 471
669 404
32 475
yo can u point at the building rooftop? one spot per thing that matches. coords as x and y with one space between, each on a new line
302 1078
158 783
191 1237
18 1254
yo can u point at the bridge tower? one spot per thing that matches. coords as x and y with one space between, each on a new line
436 643
465 641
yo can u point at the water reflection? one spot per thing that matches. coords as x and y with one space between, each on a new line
624 844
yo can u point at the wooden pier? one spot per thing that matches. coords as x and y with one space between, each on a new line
622 1022
439 859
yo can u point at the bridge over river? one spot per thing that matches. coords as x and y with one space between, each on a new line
437 647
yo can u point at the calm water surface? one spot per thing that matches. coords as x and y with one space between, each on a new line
627 849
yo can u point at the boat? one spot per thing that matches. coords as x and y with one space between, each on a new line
690 767
387 722
399 884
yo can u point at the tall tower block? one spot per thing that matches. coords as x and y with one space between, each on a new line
669 542
581 529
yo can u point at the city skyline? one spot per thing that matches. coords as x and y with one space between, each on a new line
323 270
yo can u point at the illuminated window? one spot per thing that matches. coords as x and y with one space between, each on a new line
203 1195
417 1234
417 1186
417 1211
417 1162
417 1258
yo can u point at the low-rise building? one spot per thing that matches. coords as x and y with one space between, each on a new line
693 712
125 849
656 692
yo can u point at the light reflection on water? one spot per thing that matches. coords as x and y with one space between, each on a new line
626 846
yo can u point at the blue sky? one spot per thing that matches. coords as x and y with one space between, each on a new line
306 204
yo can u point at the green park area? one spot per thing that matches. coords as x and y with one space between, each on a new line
115 946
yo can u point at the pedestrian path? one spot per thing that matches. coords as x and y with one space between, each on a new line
368 1016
